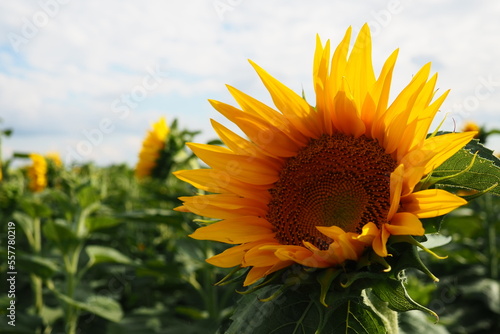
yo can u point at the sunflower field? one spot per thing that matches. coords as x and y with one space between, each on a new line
401 234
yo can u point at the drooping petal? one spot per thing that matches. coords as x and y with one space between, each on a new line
233 256
301 255
395 190
257 273
380 242
405 223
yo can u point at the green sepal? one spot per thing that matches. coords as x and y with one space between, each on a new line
325 280
408 257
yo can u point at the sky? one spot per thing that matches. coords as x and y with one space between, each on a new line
88 78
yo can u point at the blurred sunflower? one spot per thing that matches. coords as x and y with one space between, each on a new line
151 150
37 173
320 185
54 158
471 126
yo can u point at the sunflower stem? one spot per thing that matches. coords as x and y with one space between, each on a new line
491 220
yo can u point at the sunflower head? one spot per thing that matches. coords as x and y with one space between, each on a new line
37 173
55 159
319 186
151 150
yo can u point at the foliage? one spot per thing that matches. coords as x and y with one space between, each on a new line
98 251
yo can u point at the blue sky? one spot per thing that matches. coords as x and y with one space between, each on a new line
91 76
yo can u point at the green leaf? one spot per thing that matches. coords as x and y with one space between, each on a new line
486 290
416 322
484 173
153 216
33 208
102 254
353 317
25 221
59 231
100 222
432 225
393 292
87 196
37 265
102 306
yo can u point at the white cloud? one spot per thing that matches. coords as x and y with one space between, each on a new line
66 77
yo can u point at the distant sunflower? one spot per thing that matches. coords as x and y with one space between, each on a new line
320 185
55 158
151 150
37 173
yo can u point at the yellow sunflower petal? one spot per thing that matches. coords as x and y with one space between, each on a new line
359 69
260 257
431 203
301 255
396 188
217 181
437 150
223 206
347 115
405 223
338 65
236 143
257 273
244 168
259 131
293 106
424 122
235 231
257 108
380 242
233 256
380 95
368 233
320 77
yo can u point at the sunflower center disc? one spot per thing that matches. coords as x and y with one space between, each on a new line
334 180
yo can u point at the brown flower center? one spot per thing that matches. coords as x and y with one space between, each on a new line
334 180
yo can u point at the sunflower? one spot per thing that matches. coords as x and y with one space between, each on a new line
152 146
55 158
321 185
37 173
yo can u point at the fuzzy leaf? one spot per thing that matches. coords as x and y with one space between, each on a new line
355 318
300 311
